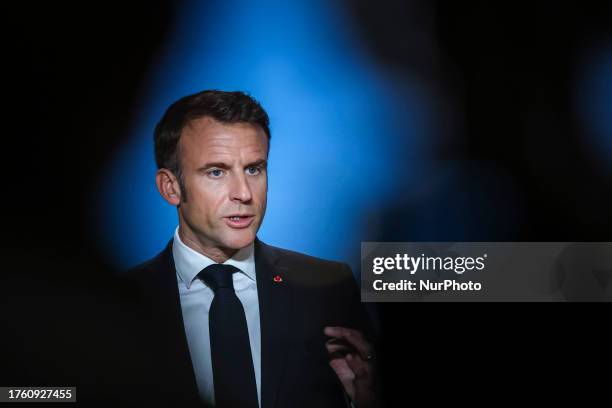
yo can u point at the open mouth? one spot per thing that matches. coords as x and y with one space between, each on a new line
239 221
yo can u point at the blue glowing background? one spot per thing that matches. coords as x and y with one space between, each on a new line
594 103
345 130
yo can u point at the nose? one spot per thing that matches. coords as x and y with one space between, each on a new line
240 190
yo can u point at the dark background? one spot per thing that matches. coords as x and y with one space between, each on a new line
73 73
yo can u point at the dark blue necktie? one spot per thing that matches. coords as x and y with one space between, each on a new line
230 349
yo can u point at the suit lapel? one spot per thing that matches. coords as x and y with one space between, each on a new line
171 322
274 296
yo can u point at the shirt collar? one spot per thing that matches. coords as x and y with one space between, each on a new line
189 262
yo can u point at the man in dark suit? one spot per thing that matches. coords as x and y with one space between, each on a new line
238 322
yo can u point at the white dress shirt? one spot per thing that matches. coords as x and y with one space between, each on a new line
196 298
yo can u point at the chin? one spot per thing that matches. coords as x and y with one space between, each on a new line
241 240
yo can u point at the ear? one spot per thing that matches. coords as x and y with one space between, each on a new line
168 186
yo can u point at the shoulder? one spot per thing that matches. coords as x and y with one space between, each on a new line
160 264
305 267
322 287
297 258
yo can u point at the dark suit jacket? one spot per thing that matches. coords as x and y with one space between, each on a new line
313 293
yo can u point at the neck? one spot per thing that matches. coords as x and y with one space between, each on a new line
219 255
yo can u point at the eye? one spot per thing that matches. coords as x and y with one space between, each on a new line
215 173
253 170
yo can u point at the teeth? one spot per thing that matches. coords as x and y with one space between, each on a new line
235 218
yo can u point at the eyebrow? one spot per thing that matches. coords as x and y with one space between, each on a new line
220 165
258 163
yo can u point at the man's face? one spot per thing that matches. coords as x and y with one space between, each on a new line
225 174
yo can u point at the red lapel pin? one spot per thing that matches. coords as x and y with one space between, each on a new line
278 279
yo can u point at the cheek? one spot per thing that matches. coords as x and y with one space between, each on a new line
260 189
208 201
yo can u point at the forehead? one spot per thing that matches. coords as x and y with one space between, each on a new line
206 139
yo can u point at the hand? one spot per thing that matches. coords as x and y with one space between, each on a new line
351 359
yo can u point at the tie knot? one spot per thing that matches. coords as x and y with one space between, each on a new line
218 276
